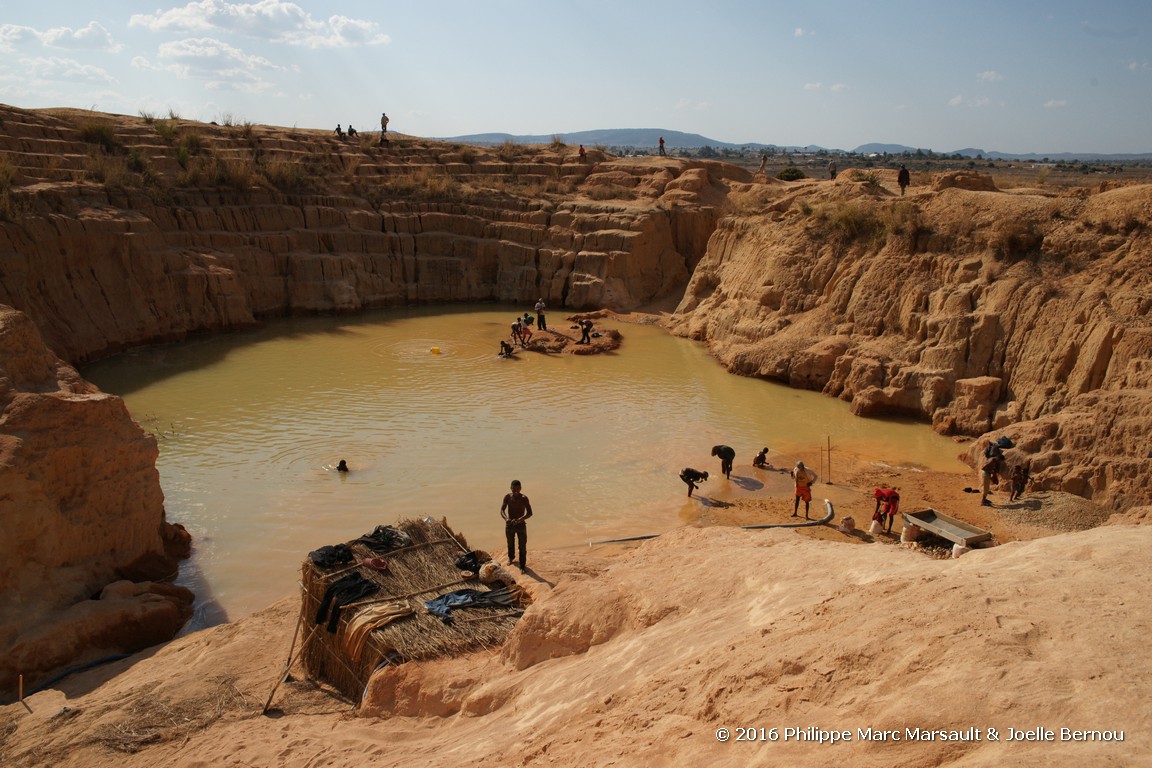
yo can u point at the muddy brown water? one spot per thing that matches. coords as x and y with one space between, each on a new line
251 425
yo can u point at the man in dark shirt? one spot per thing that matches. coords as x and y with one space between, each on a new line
727 456
516 510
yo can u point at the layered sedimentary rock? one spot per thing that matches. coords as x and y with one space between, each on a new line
190 227
1024 312
81 506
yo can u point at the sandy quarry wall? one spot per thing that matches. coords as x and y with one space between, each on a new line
82 509
117 232
1023 312
103 257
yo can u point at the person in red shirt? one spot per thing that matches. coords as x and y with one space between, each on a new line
887 505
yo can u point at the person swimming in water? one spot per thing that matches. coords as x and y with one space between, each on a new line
342 466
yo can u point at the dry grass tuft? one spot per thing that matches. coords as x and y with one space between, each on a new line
155 721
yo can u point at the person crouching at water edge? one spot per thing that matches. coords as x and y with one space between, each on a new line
692 477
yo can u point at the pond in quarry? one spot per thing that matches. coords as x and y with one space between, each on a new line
250 427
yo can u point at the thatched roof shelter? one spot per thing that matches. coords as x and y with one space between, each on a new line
390 624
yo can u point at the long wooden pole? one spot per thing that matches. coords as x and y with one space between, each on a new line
287 662
829 480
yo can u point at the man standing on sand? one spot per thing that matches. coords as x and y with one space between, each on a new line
727 456
988 475
832 170
383 128
903 179
516 510
803 480
661 145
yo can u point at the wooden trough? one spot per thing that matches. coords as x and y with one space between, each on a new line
391 625
956 531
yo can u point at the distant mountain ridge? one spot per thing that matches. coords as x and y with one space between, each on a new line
649 138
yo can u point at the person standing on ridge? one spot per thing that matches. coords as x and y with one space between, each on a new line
383 128
661 145
727 456
516 510
903 179
832 170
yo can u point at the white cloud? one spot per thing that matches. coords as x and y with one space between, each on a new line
837 87
93 37
68 70
699 106
12 35
220 66
1139 66
798 32
812 86
1055 103
989 75
274 20
211 54
976 102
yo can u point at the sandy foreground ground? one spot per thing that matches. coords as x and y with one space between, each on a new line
808 647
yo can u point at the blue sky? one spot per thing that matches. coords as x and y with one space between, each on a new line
1007 75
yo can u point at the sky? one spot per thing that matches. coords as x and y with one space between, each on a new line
999 75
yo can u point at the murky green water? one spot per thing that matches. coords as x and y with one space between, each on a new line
250 426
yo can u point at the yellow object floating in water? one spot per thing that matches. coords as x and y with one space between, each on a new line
435 350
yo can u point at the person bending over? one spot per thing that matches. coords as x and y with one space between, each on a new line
727 456
692 477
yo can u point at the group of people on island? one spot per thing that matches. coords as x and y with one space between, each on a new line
352 132
521 330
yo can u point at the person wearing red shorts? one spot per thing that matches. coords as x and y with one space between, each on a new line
803 480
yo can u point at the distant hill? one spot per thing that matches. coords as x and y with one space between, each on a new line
1056 157
649 138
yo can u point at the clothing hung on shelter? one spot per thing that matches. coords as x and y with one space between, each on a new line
469 598
347 589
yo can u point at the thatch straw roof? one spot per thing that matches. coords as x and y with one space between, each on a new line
418 572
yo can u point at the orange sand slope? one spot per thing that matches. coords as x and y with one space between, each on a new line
638 660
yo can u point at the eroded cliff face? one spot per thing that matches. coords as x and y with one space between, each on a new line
82 508
1024 312
171 227
118 231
